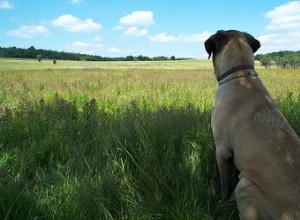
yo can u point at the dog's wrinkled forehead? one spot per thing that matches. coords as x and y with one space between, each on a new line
217 41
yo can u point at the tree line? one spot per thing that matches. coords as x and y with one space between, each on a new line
39 54
282 59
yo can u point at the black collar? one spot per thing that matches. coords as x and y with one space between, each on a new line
235 69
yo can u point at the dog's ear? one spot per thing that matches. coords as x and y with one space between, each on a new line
254 44
213 43
210 46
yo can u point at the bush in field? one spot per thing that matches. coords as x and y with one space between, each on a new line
39 57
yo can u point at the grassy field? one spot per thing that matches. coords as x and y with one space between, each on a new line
116 140
22 64
61 64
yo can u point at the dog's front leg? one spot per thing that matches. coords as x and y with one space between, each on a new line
225 164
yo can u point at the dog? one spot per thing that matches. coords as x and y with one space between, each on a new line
251 134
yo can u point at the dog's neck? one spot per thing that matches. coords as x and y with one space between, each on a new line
235 53
234 70
237 73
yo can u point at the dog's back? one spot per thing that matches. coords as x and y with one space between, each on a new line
266 151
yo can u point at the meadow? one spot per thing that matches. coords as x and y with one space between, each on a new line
116 140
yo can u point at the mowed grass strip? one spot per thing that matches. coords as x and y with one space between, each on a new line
116 143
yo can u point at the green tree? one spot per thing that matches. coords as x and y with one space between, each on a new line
31 52
297 61
282 62
129 58
265 61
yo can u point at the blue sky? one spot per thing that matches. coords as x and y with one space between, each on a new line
145 27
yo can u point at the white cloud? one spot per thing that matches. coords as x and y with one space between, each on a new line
134 31
97 39
285 16
165 38
70 23
74 2
201 37
135 21
118 28
283 29
114 50
267 38
5 4
80 44
138 18
30 31
279 41
85 47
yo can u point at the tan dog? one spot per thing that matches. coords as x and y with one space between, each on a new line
251 133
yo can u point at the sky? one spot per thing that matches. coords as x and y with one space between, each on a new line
151 28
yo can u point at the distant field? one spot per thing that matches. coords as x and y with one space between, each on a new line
121 82
62 64
23 64
116 140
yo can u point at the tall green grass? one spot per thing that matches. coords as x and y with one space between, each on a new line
116 144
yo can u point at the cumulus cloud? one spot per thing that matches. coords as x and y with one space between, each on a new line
97 39
118 28
285 16
5 4
201 37
75 2
85 47
279 41
283 29
138 18
73 24
114 50
134 31
137 21
165 38
30 31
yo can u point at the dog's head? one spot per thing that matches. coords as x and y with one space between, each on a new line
231 48
218 41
